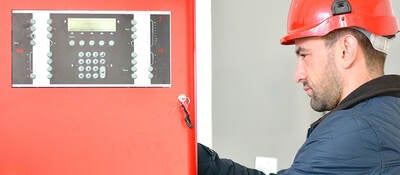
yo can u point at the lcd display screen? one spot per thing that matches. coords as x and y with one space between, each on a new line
92 25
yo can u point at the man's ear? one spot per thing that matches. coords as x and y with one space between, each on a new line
348 51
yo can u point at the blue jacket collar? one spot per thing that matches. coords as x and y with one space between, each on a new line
387 85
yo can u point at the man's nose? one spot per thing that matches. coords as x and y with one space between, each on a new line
299 74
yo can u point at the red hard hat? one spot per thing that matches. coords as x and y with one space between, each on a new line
319 17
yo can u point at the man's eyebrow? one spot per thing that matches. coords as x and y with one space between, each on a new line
300 49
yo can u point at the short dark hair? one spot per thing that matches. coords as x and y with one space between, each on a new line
374 59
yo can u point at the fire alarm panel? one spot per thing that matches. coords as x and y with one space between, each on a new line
91 48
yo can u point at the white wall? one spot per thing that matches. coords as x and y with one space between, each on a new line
203 72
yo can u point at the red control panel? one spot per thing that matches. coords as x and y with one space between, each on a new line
92 87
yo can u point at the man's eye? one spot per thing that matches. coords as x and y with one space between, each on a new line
303 55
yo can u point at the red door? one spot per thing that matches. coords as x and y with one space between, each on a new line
61 113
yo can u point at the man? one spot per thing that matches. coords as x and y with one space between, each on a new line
341 47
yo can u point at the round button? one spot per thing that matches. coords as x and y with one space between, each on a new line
133 76
71 42
151 68
49 76
81 76
133 29
95 75
49 61
95 68
81 42
81 61
95 54
133 22
102 61
133 69
49 68
133 61
81 54
133 36
101 43
91 42
88 54
103 69
32 76
49 21
88 76
49 35
133 54
102 75
49 28
111 43
32 21
88 61
95 61
32 36
32 28
50 54
102 54
81 68
32 43
88 68
151 76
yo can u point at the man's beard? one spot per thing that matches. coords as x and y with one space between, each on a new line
326 96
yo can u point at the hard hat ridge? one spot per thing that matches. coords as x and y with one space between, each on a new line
308 18
341 7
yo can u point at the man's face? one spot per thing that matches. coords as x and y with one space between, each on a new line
317 71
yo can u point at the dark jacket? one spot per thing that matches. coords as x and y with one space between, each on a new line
210 164
360 136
